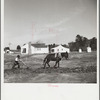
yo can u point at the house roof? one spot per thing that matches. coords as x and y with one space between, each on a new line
64 46
42 45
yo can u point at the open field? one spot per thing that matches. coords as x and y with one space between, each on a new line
79 68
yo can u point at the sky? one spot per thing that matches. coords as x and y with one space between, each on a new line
48 21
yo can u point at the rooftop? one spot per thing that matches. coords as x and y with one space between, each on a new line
39 45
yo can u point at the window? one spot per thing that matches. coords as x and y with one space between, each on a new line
24 50
52 50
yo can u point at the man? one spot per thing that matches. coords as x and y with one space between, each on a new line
16 62
58 54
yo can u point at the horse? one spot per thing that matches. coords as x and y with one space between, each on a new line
51 57
64 54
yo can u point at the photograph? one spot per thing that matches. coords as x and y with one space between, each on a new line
50 41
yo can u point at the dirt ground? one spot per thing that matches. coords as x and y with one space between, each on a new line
79 68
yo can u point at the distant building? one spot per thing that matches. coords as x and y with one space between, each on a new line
8 51
37 48
11 51
80 50
60 49
88 49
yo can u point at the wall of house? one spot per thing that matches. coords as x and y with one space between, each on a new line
29 48
33 49
39 50
23 48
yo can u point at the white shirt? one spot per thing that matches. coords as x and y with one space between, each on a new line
16 59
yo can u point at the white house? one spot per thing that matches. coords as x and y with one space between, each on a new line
60 49
34 48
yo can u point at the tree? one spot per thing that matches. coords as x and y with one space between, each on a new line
78 40
73 46
18 48
53 45
83 43
93 43
6 48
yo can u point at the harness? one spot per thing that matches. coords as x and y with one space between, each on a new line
58 55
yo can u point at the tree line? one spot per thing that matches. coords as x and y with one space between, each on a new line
82 43
79 43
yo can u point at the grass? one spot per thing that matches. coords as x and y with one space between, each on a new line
79 68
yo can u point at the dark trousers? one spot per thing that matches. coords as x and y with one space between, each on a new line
16 63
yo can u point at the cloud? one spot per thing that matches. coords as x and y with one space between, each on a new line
58 23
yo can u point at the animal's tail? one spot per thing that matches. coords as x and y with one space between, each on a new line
44 60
